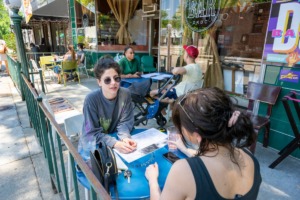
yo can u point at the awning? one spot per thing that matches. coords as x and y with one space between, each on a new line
57 8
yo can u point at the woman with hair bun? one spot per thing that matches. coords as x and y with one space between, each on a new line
219 166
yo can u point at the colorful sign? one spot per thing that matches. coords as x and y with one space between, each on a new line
27 10
289 76
201 14
282 43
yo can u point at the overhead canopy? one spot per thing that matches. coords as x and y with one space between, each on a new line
57 8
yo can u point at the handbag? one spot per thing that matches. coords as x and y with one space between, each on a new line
104 167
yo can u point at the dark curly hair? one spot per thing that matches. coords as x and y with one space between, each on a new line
207 112
104 63
126 49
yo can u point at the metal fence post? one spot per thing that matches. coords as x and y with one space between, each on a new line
20 85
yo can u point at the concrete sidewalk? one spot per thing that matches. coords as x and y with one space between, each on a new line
24 173
23 170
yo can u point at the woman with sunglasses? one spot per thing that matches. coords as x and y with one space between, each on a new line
109 108
130 66
222 168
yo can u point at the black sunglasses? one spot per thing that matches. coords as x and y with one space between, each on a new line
108 80
181 105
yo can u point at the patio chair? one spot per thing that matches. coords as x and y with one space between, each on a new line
69 67
147 64
138 59
82 66
263 93
73 127
36 77
47 64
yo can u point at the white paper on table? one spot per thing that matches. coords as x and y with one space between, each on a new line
147 142
120 164
150 75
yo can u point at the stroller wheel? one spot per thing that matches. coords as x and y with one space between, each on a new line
161 120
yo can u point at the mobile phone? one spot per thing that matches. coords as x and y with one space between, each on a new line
171 157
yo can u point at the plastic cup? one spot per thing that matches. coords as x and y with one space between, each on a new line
88 145
172 136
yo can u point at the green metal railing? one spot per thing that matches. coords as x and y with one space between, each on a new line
43 122
15 74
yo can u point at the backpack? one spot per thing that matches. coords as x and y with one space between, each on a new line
104 166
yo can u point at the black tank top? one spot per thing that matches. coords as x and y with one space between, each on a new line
205 188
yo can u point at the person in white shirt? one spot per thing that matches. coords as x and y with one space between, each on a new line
191 76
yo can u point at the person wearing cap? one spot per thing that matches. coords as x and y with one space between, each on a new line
191 75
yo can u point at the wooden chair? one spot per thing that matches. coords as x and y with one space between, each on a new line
263 93
69 67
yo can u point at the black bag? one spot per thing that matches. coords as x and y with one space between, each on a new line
104 166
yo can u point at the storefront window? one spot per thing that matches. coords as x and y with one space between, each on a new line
171 31
230 48
110 25
86 26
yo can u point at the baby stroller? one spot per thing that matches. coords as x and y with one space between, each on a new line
148 106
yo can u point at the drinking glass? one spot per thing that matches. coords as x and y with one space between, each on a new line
172 136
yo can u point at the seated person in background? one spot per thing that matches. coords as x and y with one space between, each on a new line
130 66
43 47
35 52
222 167
109 108
191 79
69 56
80 54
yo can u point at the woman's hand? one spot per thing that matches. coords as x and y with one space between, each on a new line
124 147
152 173
136 75
181 146
179 143
130 142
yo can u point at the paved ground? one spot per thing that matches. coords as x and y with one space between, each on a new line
23 170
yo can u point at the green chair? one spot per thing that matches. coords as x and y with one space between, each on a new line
67 66
147 64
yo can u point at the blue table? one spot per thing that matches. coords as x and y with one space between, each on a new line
138 187
157 76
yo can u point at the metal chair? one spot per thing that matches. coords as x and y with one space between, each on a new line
69 67
82 66
47 64
147 64
73 127
263 93
36 77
